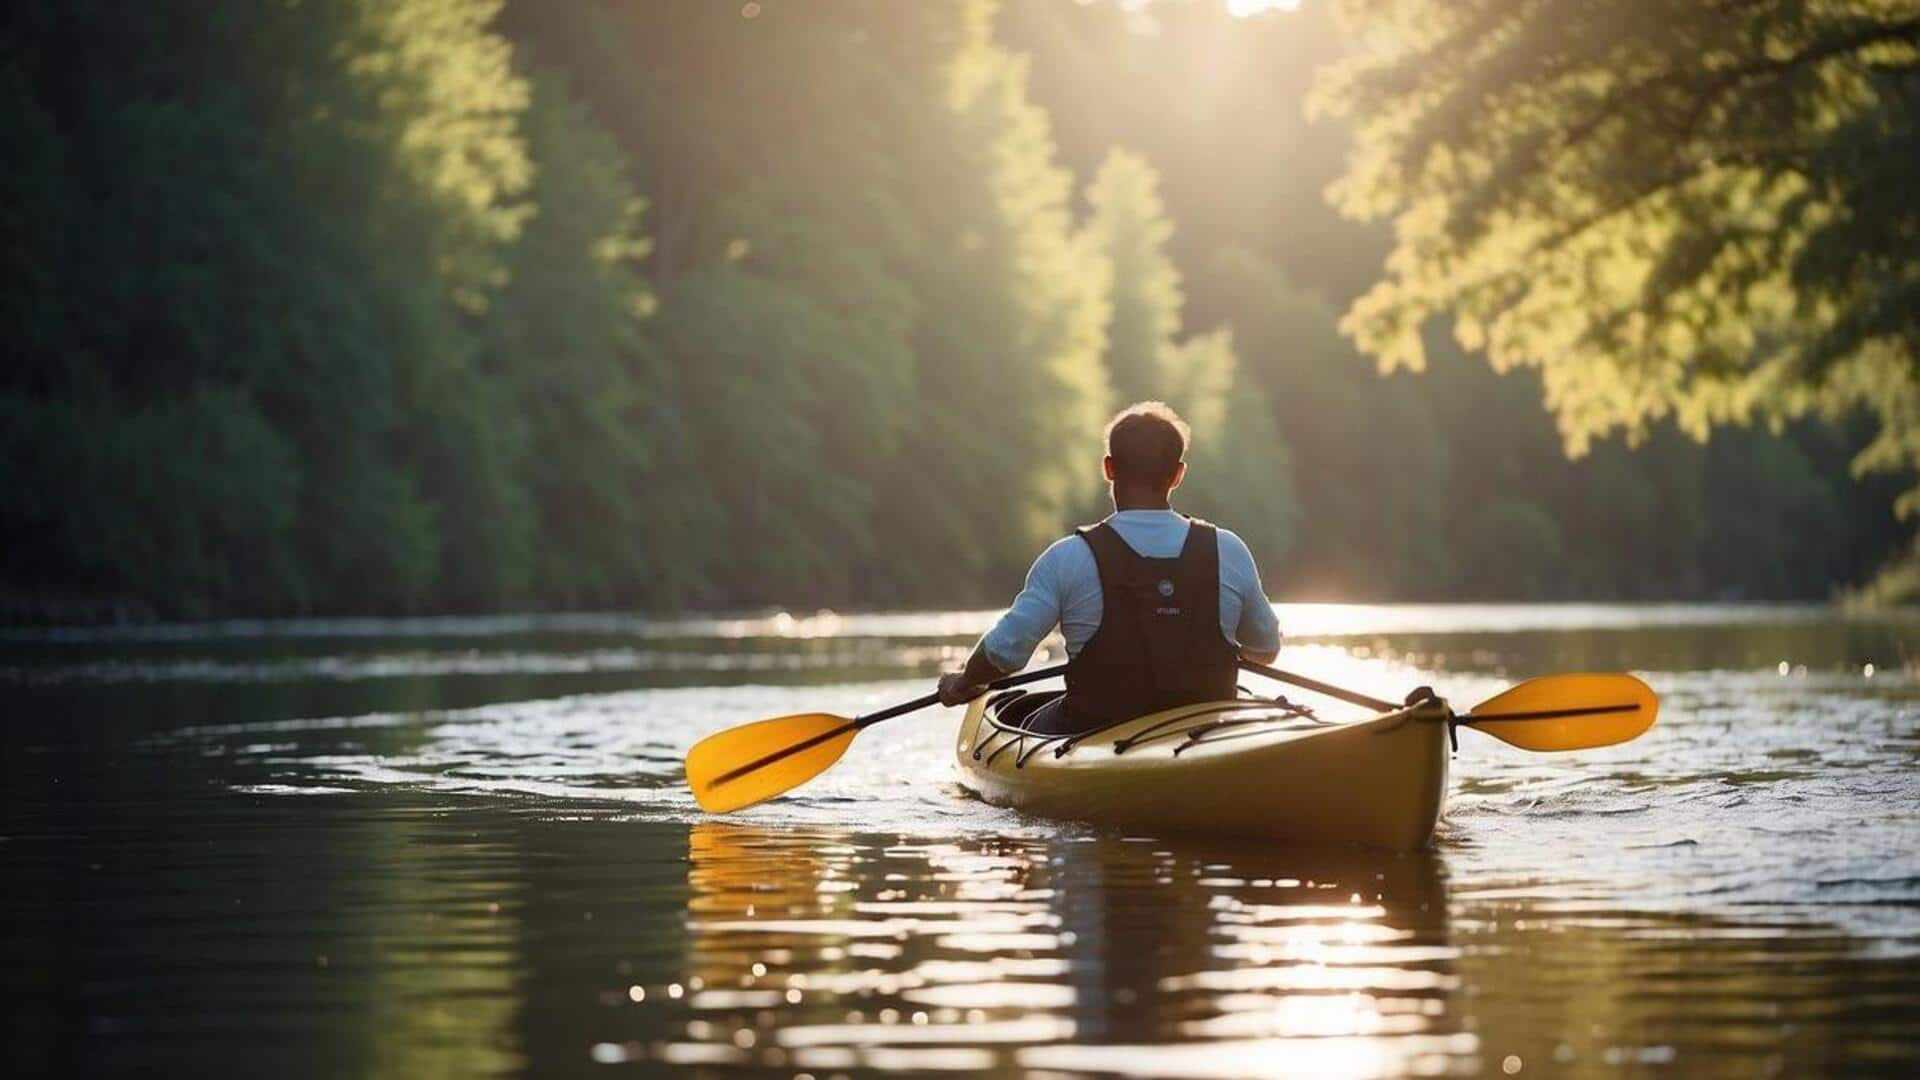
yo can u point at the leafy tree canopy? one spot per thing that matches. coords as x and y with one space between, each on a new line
1671 208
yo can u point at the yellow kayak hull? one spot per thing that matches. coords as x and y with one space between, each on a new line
1240 769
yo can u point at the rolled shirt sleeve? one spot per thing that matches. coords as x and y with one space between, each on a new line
1034 614
1258 629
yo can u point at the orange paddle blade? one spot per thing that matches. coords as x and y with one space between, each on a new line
1568 712
754 762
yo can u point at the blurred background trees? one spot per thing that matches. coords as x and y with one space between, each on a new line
438 305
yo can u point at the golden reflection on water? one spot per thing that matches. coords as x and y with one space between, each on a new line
823 951
809 952
212 861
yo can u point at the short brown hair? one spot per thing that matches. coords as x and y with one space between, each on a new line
1146 441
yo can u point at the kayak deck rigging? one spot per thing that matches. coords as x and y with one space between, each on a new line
1199 724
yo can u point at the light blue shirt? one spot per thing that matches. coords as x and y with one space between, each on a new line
1063 589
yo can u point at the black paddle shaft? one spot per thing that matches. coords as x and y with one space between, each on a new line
934 698
858 723
1349 696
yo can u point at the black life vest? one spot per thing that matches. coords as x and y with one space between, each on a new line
1159 644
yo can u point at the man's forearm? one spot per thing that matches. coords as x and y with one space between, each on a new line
960 687
979 670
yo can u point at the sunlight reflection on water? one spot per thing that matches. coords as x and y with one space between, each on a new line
1035 942
512 874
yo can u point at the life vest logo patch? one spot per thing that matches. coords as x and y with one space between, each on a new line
1166 593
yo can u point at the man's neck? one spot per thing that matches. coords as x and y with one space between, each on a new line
1140 500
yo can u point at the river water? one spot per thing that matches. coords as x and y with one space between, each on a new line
464 845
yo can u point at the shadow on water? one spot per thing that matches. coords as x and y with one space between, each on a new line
257 936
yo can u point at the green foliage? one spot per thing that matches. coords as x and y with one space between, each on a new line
1511 546
760 347
191 499
1130 227
1240 471
299 203
871 297
1393 473
1366 450
1897 584
1012 389
1213 102
583 390
403 305
1671 209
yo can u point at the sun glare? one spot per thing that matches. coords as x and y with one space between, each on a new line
1240 9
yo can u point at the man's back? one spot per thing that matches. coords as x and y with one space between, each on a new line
1063 589
1134 596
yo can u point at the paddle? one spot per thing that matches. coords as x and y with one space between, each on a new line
1553 712
754 762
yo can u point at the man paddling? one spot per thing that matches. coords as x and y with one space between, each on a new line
1156 607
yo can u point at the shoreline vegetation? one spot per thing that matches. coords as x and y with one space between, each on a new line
456 306
1896 585
25 615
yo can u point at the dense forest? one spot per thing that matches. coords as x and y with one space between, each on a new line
444 305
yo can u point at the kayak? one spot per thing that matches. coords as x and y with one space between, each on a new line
1249 768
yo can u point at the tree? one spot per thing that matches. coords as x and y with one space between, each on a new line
871 301
1129 227
1010 391
1367 450
1696 210
605 447
1214 102
339 306
259 235
1239 469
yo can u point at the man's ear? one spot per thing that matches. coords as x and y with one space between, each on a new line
1179 474
1106 466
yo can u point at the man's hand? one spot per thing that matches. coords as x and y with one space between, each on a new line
960 687
956 689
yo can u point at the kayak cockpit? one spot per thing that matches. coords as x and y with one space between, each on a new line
1002 729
